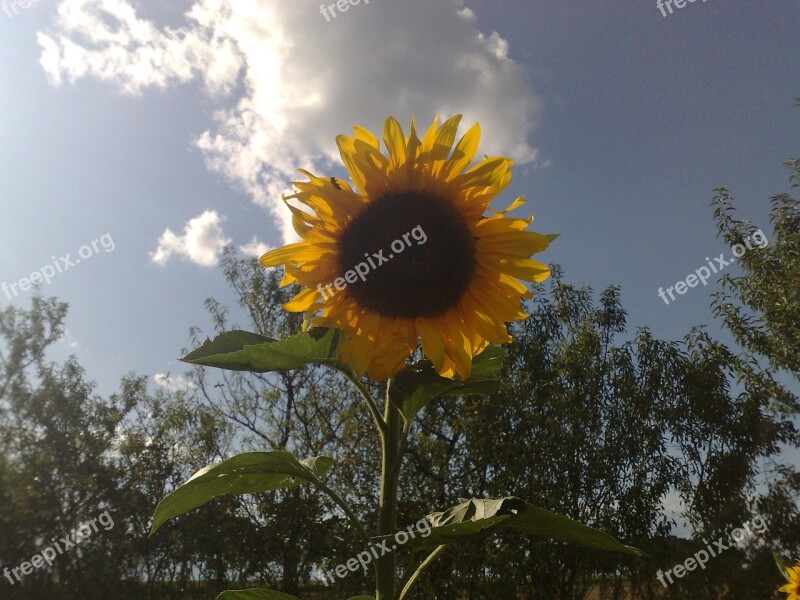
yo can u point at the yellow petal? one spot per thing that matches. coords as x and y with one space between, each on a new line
432 342
445 137
515 243
429 137
489 172
463 153
457 345
395 142
347 152
302 301
297 252
367 136
519 267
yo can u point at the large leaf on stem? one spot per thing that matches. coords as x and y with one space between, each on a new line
476 519
245 351
247 473
419 384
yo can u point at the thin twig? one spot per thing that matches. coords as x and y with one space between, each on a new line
345 506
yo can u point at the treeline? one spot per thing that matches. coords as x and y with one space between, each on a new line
592 421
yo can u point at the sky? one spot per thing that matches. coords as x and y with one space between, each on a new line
142 137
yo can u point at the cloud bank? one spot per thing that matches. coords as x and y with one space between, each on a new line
287 80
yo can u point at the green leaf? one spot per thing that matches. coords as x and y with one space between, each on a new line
419 384
541 522
247 473
255 594
363 598
783 566
243 351
471 520
476 519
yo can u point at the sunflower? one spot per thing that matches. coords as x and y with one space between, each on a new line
410 254
793 587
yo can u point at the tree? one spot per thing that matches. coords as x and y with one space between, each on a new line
602 430
761 309
57 441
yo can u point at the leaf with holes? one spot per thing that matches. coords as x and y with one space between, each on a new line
478 518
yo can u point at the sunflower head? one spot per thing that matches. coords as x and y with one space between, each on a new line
793 587
411 252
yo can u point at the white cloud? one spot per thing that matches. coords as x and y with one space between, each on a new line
255 248
202 241
301 80
174 383
105 39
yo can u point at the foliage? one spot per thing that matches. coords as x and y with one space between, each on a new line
761 307
621 431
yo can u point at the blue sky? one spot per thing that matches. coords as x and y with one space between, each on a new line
134 118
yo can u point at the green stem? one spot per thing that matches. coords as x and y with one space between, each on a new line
425 564
406 426
391 446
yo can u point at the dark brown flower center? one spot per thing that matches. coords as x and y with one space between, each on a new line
419 253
